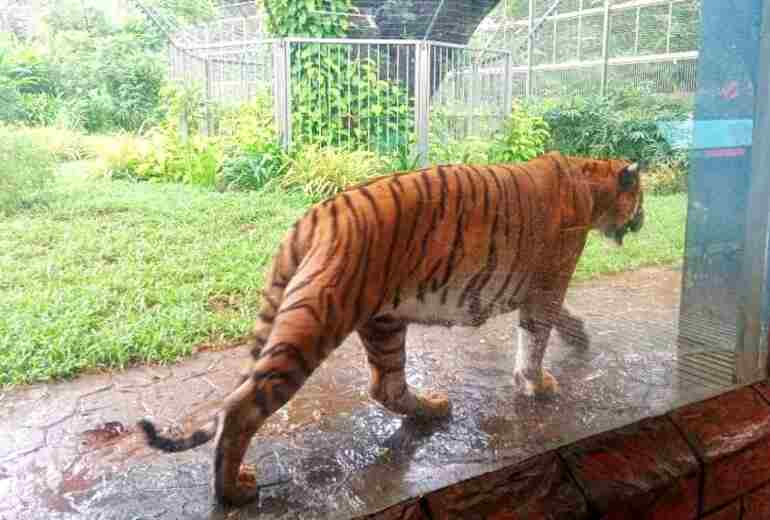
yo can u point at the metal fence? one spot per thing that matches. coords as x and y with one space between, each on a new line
380 95
597 46
397 94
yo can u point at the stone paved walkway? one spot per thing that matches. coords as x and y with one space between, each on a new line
70 450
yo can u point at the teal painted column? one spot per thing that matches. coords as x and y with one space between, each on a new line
720 174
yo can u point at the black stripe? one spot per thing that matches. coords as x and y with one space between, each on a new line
294 377
362 236
482 277
358 309
395 231
265 317
423 285
472 181
383 370
300 305
269 299
444 194
291 351
431 228
397 182
397 298
293 247
485 191
331 320
335 223
313 223
458 238
413 230
503 189
512 269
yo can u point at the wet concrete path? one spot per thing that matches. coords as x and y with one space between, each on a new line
70 450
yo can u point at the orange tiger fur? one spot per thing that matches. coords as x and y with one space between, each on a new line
445 245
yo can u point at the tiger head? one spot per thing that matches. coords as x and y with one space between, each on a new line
624 208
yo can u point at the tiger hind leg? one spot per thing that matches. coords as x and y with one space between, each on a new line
385 342
295 349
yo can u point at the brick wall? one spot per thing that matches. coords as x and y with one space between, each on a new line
709 460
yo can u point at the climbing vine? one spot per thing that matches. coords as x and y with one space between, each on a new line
339 97
311 18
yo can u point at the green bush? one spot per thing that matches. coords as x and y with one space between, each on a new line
622 126
252 170
320 172
26 171
341 100
667 178
63 144
523 137
470 150
120 156
95 78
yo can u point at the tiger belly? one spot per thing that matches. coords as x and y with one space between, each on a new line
464 302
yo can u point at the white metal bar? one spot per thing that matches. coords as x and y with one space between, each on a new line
595 11
625 60
670 26
580 30
530 47
605 46
636 31
508 87
422 99
553 51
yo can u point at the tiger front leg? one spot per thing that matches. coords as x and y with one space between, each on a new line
385 342
535 324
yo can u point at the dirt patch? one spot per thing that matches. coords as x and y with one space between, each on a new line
221 344
247 228
223 303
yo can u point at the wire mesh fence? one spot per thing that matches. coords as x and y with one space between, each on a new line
394 94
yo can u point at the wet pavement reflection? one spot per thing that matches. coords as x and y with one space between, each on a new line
71 450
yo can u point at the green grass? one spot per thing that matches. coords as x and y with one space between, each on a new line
659 242
114 273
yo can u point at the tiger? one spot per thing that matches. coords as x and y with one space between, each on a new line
444 245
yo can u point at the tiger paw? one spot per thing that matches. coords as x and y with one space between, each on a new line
433 405
545 386
247 476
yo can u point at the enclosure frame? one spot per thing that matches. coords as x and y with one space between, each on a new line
752 332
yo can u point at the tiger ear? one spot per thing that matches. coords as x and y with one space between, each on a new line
629 177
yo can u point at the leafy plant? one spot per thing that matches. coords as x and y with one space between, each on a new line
339 97
63 144
667 178
470 150
120 156
253 170
315 18
322 172
403 160
615 126
340 100
522 138
26 171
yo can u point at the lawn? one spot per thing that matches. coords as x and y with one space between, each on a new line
116 273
